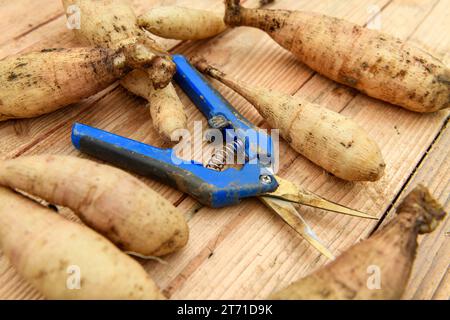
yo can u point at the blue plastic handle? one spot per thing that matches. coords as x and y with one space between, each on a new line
212 188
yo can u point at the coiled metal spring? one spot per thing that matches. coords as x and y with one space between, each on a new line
219 159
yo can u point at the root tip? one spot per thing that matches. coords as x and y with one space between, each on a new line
428 210
200 63
162 72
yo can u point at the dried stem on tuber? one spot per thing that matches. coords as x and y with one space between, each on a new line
111 23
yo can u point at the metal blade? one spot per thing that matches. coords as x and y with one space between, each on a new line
291 192
290 215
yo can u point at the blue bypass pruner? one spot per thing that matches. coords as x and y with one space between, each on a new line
209 185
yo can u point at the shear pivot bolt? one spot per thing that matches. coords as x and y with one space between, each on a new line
265 179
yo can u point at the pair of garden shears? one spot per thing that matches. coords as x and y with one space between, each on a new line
214 185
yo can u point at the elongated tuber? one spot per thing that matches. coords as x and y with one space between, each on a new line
391 250
327 138
163 103
112 23
41 82
377 64
109 200
182 23
49 251
173 22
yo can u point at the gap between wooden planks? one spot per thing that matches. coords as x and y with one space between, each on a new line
295 73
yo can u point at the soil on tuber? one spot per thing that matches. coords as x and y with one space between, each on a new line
111 201
325 137
377 64
391 250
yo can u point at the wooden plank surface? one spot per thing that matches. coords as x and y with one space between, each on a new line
245 251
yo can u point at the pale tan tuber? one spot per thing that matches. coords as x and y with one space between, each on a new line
325 137
181 23
377 64
37 83
163 103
